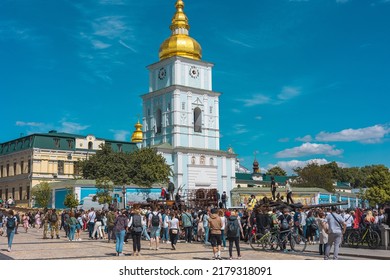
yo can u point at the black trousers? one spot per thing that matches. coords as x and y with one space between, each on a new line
236 241
136 241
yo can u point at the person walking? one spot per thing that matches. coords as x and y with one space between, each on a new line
336 228
71 223
91 222
323 236
11 224
174 229
120 227
233 230
53 219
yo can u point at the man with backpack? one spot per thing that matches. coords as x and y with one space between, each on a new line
154 223
53 220
171 190
215 224
11 224
224 199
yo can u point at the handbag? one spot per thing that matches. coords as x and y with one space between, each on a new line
174 231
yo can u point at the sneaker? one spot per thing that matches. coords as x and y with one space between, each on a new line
174 246
213 258
230 258
224 248
9 249
121 254
219 258
157 249
168 242
239 257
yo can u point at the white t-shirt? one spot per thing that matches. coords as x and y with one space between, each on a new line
174 223
223 220
166 220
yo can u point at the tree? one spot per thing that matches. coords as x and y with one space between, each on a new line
143 168
42 194
276 171
376 196
70 200
147 167
378 184
314 175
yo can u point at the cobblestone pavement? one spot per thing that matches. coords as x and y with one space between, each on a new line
31 246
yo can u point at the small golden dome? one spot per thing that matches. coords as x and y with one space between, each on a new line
180 43
137 134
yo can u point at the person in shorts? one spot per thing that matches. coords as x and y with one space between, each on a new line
154 223
215 224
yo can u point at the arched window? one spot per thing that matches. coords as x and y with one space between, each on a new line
202 160
211 161
197 120
193 160
158 121
90 145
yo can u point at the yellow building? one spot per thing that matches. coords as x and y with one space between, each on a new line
45 157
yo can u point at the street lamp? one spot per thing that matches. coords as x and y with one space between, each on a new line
123 197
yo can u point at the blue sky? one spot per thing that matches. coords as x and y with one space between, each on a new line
301 80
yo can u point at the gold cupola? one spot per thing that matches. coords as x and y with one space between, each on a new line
180 43
137 134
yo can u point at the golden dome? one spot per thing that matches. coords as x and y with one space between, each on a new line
180 43
137 134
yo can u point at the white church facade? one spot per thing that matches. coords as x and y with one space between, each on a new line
181 114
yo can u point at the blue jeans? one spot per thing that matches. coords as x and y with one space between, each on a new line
165 236
223 236
72 230
10 236
120 238
206 235
145 233
91 226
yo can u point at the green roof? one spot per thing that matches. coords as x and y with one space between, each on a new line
247 178
57 141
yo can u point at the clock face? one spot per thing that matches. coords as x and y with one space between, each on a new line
194 72
162 73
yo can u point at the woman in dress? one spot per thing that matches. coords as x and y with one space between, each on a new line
322 228
38 220
26 221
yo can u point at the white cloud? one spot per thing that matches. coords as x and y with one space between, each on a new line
239 129
258 118
308 149
99 45
284 140
239 43
342 1
20 123
71 127
235 110
120 135
257 99
306 138
288 166
289 92
127 46
372 134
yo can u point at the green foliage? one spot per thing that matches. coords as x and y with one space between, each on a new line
70 200
315 176
276 171
148 167
143 168
377 195
42 194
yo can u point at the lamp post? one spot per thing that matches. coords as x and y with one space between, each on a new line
124 197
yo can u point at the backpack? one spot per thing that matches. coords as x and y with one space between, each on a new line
232 228
314 226
53 218
284 225
11 222
155 220
137 223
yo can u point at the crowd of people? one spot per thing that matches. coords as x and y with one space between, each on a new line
221 228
